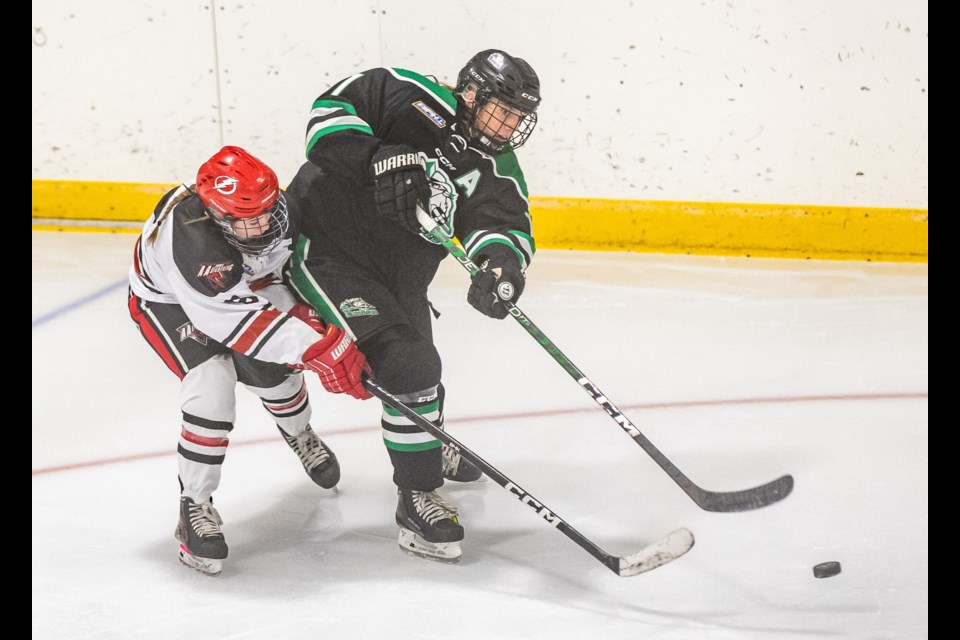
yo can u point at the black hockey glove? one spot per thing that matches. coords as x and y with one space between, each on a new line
499 279
401 183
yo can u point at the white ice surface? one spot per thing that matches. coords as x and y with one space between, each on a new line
738 370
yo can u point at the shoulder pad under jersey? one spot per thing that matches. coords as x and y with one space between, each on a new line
204 257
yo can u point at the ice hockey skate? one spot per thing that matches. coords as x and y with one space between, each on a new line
202 545
458 468
317 458
429 527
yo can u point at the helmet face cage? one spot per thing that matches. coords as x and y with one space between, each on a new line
242 195
496 75
490 131
254 235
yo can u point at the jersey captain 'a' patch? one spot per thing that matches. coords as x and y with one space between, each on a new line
435 117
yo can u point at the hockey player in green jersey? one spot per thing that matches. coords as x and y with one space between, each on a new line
380 144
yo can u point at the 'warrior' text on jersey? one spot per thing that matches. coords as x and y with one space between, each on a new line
480 199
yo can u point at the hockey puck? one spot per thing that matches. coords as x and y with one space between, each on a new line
826 569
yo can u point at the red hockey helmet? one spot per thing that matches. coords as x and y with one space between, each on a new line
242 195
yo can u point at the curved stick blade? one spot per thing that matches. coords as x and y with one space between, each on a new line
744 500
666 549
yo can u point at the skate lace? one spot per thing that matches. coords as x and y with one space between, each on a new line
204 519
431 507
307 446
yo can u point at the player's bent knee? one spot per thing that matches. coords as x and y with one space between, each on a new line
209 390
402 360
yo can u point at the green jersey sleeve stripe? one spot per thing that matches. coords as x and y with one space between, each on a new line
323 129
343 85
497 239
335 124
507 166
323 107
442 95
526 242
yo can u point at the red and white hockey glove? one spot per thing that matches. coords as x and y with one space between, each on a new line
338 362
309 315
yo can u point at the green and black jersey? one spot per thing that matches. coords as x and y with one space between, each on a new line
480 199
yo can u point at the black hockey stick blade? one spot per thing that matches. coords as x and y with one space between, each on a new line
667 549
717 501
744 500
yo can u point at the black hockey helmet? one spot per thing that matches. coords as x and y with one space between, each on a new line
495 74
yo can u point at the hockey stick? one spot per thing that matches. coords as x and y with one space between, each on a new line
723 501
669 548
664 550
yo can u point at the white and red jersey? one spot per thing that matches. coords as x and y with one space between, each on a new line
181 257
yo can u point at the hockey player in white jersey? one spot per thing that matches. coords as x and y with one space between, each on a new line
206 294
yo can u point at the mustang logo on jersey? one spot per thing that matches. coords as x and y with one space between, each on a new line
214 272
435 118
353 307
443 198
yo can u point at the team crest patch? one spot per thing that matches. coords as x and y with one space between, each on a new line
430 113
443 198
354 307
187 332
214 272
496 60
